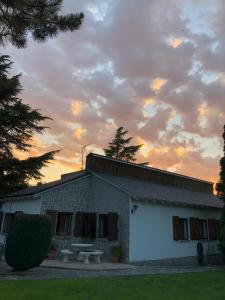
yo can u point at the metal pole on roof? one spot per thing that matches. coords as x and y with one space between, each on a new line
82 155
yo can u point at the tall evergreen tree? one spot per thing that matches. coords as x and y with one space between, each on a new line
18 123
119 147
220 188
40 18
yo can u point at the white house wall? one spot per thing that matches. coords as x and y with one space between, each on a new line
28 206
151 232
31 206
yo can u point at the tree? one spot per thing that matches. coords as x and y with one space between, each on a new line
18 123
220 188
39 18
118 149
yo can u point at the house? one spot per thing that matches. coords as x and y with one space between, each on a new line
157 216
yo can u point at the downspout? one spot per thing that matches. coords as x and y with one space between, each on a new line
130 200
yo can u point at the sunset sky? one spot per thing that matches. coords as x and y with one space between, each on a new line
156 67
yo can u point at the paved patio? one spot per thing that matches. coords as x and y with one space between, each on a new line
103 266
54 270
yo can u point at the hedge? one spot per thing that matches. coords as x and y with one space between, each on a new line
28 241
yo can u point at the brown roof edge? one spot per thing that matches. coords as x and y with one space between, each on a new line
149 168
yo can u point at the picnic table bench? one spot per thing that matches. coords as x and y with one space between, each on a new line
94 253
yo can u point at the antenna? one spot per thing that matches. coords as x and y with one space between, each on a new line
82 155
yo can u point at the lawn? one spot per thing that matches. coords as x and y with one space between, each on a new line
207 286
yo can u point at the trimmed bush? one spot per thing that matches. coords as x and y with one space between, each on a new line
28 241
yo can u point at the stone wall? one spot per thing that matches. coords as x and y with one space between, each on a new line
90 194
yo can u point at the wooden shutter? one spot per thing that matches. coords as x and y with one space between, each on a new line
52 215
85 225
217 223
176 228
212 229
194 228
112 226
92 225
1 219
78 226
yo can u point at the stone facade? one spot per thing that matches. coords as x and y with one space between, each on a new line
90 194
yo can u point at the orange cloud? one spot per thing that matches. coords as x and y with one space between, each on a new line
175 42
203 109
157 84
79 132
180 151
76 107
148 101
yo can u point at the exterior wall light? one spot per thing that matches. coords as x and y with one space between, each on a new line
134 208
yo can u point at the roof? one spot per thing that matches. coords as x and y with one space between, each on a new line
158 193
139 187
143 166
98 163
65 178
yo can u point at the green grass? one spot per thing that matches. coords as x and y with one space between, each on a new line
194 286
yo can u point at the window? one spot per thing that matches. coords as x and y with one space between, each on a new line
214 229
103 226
183 228
108 226
85 225
63 224
7 222
203 229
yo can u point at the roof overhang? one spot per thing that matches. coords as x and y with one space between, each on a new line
176 203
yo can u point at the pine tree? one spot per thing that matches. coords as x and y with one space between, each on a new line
18 123
118 149
39 18
220 188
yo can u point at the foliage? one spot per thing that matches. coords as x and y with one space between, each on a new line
39 18
28 241
18 123
117 251
220 188
118 149
53 245
182 286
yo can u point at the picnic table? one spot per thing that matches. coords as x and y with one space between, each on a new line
79 247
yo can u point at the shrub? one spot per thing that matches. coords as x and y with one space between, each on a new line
222 233
117 251
28 241
53 245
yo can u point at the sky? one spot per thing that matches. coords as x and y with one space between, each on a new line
155 67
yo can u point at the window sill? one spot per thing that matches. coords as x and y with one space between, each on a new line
62 236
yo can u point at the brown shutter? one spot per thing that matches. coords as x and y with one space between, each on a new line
52 215
112 226
1 219
85 225
176 228
217 223
92 225
194 228
212 229
78 226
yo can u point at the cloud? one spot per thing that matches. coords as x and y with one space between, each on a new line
145 65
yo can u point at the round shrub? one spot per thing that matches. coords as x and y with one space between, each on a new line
28 241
